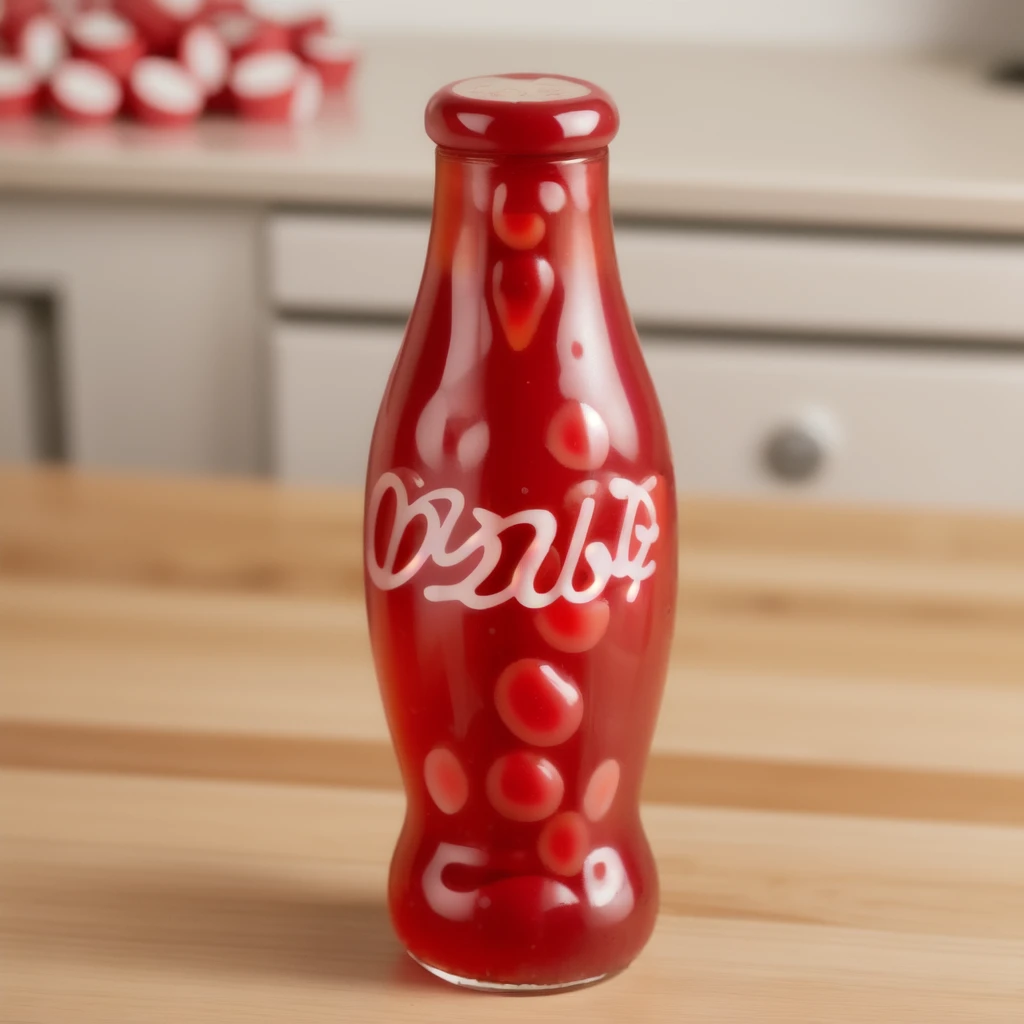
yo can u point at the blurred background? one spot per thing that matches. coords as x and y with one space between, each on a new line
818 209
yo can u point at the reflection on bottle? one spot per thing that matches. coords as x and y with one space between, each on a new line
587 369
456 906
458 396
609 890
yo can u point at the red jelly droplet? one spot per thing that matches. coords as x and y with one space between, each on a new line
600 792
524 786
573 628
522 286
446 780
537 703
523 912
518 230
578 437
562 846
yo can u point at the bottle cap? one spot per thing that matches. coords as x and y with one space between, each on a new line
522 115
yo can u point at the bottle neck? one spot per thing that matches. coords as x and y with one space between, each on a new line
487 210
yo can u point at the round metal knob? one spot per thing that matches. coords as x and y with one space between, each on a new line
793 454
796 451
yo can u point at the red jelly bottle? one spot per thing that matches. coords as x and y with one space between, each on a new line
521 555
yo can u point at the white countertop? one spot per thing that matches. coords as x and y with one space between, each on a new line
809 137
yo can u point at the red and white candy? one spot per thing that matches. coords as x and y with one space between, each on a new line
332 56
295 17
309 96
205 54
19 89
275 87
244 34
85 93
160 22
14 13
38 41
162 92
267 60
107 39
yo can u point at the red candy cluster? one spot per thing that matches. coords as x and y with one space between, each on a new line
165 62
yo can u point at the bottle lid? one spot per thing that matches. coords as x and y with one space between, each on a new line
522 115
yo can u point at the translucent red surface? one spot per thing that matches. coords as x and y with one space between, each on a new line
520 394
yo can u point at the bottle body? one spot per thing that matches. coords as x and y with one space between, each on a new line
521 579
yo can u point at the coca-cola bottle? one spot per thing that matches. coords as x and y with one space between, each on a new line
521 555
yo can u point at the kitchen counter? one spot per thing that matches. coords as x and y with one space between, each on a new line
800 137
198 799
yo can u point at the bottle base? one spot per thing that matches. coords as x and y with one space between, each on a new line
507 989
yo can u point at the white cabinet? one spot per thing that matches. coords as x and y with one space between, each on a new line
778 282
341 264
327 382
925 407
159 328
844 424
692 278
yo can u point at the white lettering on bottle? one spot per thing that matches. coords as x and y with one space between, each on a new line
442 508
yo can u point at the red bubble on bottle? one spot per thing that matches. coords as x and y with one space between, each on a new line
562 846
573 628
601 789
446 780
523 786
520 910
518 230
578 437
522 286
537 703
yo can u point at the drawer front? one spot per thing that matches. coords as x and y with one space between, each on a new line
18 412
696 278
363 264
327 385
764 282
845 425
747 420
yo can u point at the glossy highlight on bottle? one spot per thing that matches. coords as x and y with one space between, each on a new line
521 555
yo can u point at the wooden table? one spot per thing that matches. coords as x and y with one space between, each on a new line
198 801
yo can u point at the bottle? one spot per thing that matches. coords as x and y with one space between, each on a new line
520 552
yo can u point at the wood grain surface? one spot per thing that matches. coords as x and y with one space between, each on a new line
198 798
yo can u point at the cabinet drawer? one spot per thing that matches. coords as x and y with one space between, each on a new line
888 427
692 278
327 384
858 425
862 286
353 263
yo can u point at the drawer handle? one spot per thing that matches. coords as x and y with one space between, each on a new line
797 450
